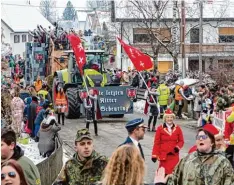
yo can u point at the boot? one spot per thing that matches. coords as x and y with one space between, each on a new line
95 127
153 129
63 119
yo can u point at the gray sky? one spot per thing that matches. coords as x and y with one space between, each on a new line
59 3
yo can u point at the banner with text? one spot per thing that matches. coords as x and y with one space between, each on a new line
114 100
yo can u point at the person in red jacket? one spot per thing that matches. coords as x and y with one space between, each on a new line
168 141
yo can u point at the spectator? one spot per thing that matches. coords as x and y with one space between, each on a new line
168 141
230 92
32 114
164 93
47 133
40 118
9 150
44 94
222 101
179 98
12 173
130 165
207 112
86 166
206 165
219 139
135 80
38 84
197 92
17 110
187 91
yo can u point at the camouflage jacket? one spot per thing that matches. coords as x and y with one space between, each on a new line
222 102
203 169
76 172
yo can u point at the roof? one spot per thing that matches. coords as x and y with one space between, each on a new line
23 18
216 10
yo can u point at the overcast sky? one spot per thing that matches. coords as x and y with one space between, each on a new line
61 4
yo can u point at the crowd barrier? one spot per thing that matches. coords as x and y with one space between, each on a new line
220 119
51 167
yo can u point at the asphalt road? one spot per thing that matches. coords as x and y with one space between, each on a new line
112 132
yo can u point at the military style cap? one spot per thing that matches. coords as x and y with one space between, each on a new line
139 122
83 133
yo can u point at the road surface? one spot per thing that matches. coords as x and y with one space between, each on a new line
112 132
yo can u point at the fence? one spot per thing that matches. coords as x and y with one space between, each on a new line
220 119
51 167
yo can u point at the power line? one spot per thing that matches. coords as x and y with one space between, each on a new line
39 6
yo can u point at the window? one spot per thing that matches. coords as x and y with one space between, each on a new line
24 38
141 35
226 38
226 34
194 35
30 38
16 38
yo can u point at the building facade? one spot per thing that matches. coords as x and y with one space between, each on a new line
218 34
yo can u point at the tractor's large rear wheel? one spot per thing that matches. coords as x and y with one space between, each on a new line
73 103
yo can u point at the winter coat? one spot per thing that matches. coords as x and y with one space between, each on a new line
31 172
197 102
203 169
135 81
28 101
222 102
77 172
40 117
47 138
32 114
164 145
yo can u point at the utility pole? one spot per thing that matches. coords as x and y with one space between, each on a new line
183 38
200 39
121 51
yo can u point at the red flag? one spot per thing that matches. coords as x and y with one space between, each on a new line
78 51
139 59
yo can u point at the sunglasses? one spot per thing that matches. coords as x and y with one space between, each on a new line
203 137
10 174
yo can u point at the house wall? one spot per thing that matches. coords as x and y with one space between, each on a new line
7 32
210 31
210 37
18 48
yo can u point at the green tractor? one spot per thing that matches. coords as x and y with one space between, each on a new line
113 99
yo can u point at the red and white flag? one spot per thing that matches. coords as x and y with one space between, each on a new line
78 51
140 60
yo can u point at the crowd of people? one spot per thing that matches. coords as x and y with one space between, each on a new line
209 161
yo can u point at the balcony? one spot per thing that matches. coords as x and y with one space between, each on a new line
209 48
193 49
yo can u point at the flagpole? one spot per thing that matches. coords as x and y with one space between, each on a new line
146 86
86 87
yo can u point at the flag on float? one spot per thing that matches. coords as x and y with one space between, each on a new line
78 51
140 60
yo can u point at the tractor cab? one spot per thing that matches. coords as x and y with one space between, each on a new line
94 71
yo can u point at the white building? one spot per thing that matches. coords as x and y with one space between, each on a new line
81 17
218 33
16 22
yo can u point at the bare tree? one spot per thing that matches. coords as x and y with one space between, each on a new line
47 8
